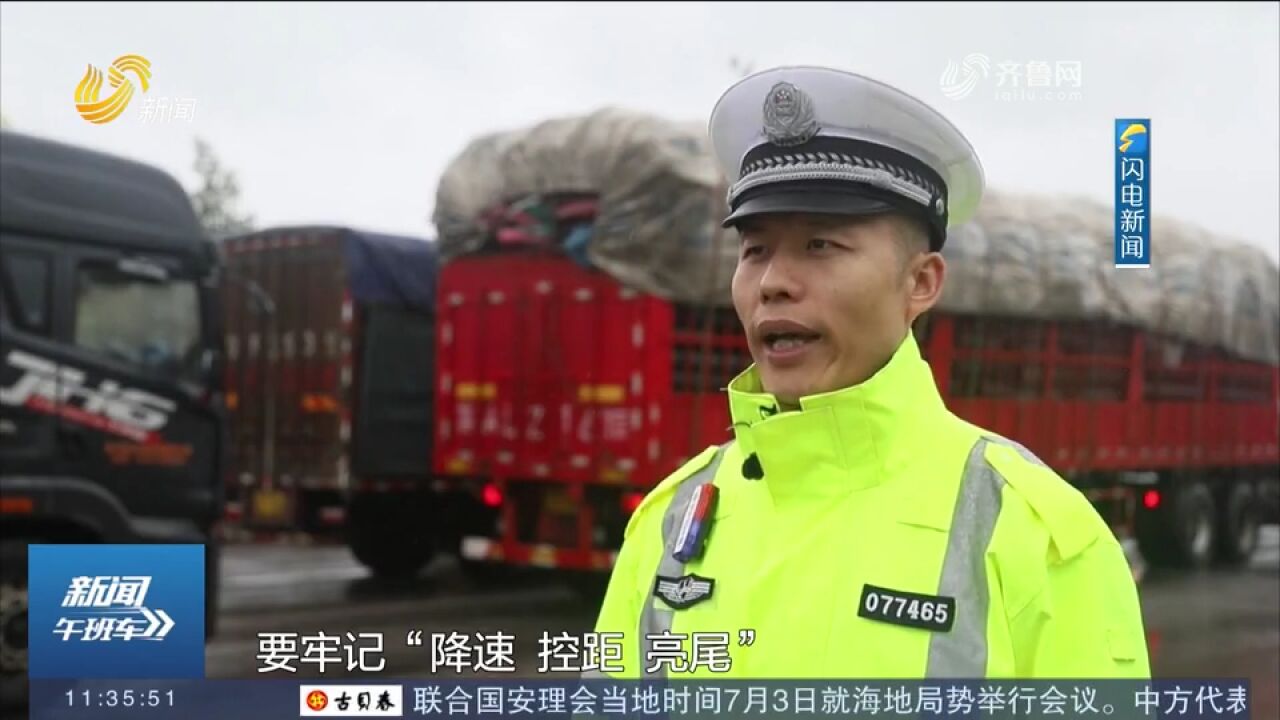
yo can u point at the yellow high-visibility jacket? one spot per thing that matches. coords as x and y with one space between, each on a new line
873 534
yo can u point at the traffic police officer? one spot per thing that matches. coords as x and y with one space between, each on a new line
853 523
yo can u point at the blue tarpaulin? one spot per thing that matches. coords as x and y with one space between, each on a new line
391 269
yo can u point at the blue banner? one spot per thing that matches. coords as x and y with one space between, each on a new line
112 611
1133 193
686 699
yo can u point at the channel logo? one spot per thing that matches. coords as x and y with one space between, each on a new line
99 110
116 611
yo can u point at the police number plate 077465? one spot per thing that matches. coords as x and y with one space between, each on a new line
927 612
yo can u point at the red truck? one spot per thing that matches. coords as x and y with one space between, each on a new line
563 396
329 341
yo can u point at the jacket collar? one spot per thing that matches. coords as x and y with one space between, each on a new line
840 441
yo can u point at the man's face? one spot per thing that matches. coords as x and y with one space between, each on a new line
825 301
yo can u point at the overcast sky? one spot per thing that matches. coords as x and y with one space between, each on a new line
348 113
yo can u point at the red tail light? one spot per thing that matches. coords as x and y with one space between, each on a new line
1151 499
631 501
491 496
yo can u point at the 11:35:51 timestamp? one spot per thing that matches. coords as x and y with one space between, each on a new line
128 698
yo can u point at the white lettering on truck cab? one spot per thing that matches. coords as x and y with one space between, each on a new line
43 379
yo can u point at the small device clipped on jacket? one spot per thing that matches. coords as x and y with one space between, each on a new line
696 525
751 468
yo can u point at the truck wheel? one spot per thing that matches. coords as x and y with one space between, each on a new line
387 536
13 624
1195 522
390 557
1238 524
1181 532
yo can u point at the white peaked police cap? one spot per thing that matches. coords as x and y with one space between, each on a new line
818 140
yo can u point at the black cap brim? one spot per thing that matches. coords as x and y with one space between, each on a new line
819 203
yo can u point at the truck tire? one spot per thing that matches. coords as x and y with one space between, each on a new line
1181 533
1194 524
13 623
1238 524
387 536
390 557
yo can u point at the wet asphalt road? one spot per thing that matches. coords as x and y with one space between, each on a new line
1219 623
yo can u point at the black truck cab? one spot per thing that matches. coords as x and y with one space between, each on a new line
111 427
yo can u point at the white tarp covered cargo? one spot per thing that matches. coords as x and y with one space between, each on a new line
660 199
